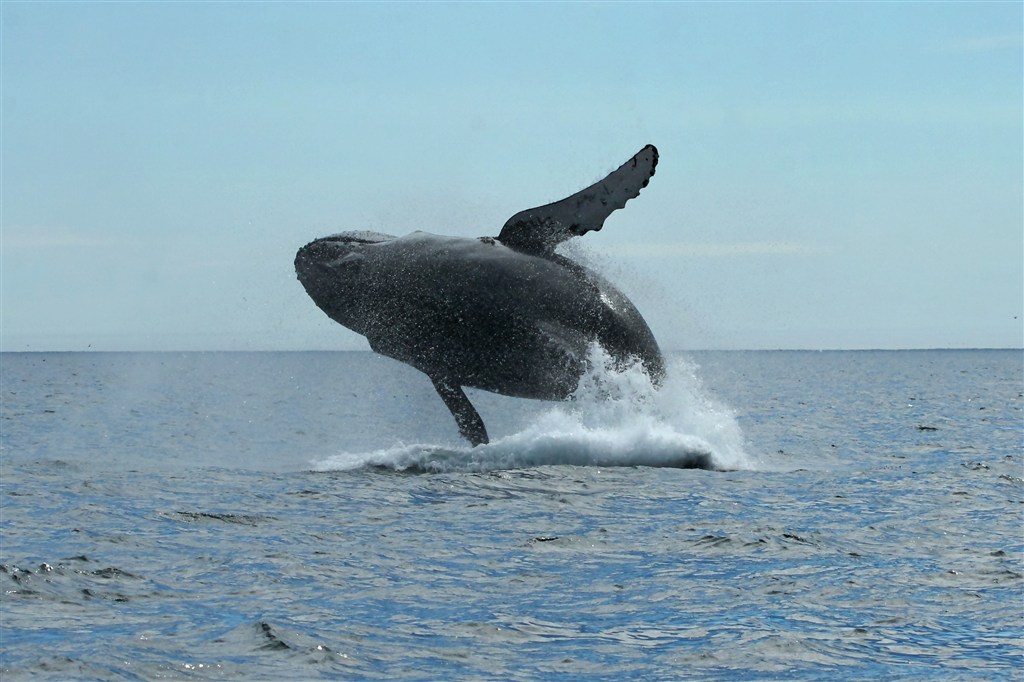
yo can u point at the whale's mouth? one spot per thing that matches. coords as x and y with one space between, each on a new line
325 255
357 237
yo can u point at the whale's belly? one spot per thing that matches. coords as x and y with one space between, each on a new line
485 316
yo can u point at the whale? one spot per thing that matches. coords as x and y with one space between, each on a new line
506 314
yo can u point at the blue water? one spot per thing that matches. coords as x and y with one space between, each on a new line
315 515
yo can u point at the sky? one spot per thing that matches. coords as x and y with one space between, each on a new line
832 175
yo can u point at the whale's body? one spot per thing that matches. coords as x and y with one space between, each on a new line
506 314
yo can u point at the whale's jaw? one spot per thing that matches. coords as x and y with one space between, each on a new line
331 271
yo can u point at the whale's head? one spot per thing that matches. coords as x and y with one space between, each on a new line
334 270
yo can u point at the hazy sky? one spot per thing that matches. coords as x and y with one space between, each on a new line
831 175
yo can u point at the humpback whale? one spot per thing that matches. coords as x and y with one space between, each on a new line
505 314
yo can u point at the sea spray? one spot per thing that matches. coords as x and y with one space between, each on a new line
616 417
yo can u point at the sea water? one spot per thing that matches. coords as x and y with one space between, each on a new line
762 515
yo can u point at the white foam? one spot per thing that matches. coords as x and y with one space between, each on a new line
616 418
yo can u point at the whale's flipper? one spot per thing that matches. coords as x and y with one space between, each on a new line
541 229
471 426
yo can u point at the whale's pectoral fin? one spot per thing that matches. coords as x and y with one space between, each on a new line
541 229
471 426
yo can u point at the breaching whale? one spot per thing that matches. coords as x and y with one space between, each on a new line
505 314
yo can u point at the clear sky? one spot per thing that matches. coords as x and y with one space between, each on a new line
831 175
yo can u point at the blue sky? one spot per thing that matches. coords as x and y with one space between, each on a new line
831 175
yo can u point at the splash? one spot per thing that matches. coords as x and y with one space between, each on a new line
616 417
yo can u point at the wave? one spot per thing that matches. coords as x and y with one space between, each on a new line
615 418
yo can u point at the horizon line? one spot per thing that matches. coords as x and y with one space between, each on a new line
673 350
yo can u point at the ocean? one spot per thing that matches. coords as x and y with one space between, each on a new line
314 515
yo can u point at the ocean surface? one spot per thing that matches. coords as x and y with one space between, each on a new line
263 516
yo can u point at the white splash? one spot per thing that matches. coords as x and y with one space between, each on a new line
616 418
